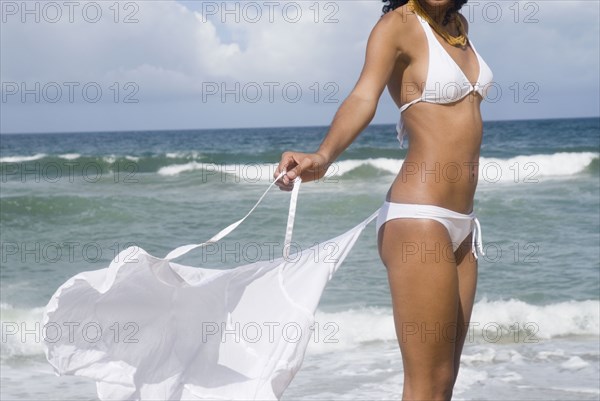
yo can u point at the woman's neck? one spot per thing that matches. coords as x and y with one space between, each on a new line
437 13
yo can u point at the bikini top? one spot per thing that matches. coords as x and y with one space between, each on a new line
446 82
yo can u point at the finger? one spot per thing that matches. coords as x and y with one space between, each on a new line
286 159
283 186
306 163
286 188
277 174
279 167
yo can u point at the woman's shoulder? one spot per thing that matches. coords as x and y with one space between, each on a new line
399 24
400 18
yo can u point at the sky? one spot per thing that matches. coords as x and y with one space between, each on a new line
160 65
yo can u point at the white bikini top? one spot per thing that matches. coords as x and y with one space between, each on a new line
446 82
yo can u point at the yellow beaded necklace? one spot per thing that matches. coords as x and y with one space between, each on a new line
460 40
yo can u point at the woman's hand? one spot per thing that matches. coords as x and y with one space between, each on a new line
309 166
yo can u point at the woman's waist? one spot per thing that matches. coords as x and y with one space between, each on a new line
434 186
453 168
443 125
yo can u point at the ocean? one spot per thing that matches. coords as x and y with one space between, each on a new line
70 202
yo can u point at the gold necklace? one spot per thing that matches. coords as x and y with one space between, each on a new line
460 40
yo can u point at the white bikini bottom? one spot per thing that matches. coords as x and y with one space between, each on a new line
458 225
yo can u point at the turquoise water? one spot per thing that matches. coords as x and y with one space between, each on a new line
71 202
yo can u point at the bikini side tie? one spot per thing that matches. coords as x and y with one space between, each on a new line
477 234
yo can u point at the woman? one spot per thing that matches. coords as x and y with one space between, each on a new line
419 50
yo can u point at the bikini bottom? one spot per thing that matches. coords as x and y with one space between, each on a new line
459 225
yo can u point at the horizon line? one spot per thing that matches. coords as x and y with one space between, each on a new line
263 127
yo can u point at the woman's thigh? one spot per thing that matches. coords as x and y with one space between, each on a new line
424 286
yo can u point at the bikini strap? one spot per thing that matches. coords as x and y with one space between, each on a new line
291 216
182 250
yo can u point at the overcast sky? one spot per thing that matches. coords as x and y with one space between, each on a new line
149 65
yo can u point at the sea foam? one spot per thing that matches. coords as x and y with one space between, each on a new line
501 321
523 168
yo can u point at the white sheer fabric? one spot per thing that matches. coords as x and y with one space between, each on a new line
147 328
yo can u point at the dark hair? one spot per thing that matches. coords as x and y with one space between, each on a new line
394 4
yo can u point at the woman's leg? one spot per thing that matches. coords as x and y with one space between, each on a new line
467 285
424 284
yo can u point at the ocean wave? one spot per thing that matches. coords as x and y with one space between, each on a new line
42 166
497 322
184 155
20 159
522 168
252 172
569 318
528 168
532 168
516 169
70 156
21 331
176 169
247 172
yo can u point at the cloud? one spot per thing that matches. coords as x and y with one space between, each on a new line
175 49
172 49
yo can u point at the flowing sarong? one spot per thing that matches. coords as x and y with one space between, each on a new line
147 328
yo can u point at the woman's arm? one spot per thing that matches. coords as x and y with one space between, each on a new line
356 112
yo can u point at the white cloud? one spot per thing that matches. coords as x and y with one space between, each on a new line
173 49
